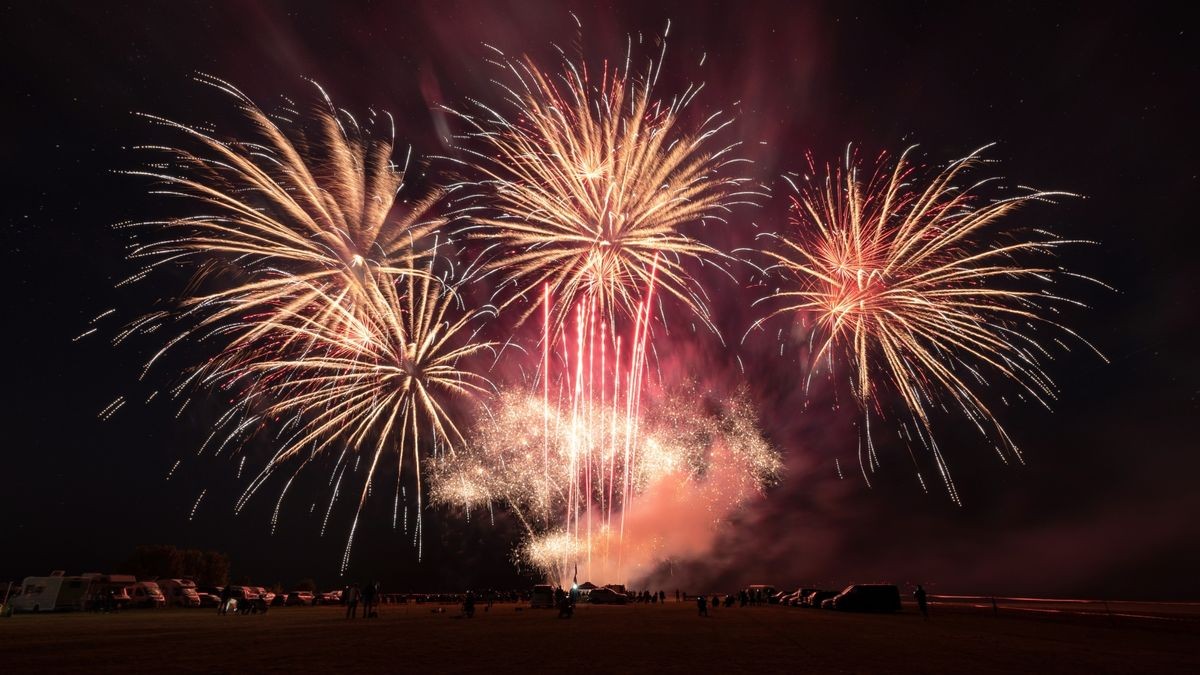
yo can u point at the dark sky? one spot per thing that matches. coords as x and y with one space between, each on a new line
1094 101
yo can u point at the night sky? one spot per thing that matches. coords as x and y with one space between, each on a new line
1094 101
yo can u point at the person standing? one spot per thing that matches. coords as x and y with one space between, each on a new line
351 594
922 601
469 605
702 604
368 599
226 597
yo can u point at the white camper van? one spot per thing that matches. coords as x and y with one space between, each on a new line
47 594
179 592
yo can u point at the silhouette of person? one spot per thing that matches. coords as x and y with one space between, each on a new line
716 601
226 596
351 595
469 604
702 604
566 606
368 597
676 595
922 601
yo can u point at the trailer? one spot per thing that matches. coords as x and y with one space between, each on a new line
57 592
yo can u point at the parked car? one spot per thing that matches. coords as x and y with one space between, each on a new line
796 599
146 594
243 593
180 592
327 598
815 598
866 598
247 599
208 599
266 596
792 599
605 596
296 598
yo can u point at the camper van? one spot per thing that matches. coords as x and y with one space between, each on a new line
146 594
107 592
179 592
48 594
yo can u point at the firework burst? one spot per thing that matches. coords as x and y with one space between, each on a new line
923 293
306 206
327 315
362 372
590 177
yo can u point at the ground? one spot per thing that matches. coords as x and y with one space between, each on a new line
641 638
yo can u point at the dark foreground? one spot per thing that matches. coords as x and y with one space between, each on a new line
638 638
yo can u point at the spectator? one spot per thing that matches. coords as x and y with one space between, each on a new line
368 599
923 601
351 596
469 605
226 598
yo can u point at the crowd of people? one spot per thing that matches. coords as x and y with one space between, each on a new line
368 596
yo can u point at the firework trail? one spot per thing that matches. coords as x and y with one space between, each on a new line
699 458
590 178
592 421
922 293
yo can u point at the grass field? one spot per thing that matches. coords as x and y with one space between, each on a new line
639 638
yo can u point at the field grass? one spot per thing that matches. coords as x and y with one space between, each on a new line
641 638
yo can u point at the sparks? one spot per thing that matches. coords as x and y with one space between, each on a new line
922 292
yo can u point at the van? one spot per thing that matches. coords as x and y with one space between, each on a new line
866 598
765 592
146 594
107 592
179 592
